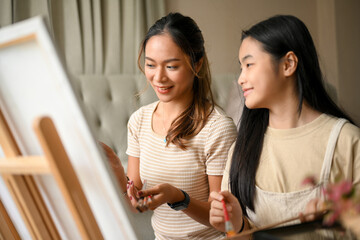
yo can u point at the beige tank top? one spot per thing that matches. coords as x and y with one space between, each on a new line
272 207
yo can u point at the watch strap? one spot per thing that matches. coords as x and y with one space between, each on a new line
182 204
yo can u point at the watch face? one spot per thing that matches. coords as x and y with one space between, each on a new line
180 207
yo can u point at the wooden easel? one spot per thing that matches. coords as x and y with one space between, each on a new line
17 171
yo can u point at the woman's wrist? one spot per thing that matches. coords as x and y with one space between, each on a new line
124 188
179 196
174 194
181 205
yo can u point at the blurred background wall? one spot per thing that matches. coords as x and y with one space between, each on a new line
334 25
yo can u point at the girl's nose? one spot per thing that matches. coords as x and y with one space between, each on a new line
241 79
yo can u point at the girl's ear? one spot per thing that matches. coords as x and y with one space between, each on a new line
198 65
290 64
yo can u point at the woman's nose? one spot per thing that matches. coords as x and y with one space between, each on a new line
159 75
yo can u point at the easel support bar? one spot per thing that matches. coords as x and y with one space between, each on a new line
24 165
66 178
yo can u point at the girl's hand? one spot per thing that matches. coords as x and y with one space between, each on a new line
160 194
314 205
217 219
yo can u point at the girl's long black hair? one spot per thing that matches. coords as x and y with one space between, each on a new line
278 35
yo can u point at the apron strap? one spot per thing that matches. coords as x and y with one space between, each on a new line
325 171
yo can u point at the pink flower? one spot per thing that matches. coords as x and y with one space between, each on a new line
334 192
340 198
330 218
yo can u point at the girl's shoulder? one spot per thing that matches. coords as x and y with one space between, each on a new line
350 131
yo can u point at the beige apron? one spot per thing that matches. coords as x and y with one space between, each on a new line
272 207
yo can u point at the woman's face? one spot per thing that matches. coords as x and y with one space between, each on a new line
167 70
260 78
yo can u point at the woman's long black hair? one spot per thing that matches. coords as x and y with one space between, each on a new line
278 35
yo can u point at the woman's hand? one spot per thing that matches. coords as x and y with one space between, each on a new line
316 206
135 199
217 218
116 165
160 194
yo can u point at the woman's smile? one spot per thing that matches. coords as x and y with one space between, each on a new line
167 70
163 90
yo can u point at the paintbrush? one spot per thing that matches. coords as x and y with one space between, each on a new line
229 228
255 229
142 202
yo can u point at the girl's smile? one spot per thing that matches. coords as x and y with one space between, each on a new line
262 80
247 91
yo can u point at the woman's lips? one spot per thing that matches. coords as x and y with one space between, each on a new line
164 90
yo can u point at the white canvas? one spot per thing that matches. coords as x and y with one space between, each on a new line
34 83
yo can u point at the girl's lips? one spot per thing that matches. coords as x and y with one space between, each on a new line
247 91
163 90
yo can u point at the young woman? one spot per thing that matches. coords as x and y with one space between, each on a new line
179 144
290 129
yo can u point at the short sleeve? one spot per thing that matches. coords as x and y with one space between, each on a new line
133 146
221 135
346 162
225 180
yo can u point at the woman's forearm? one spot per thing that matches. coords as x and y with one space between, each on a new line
198 211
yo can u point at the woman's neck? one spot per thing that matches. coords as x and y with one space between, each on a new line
171 110
166 113
286 117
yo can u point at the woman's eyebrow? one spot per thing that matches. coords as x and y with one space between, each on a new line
166 61
172 60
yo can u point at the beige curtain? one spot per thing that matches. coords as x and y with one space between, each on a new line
100 37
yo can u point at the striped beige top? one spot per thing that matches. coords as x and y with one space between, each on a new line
188 170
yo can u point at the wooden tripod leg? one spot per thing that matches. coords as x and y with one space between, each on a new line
66 178
25 193
7 229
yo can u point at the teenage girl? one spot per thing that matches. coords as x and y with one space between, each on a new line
290 129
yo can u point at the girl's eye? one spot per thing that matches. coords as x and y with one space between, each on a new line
248 64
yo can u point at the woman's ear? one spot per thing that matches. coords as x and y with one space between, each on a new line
198 65
290 64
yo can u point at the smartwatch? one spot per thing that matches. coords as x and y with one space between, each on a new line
182 204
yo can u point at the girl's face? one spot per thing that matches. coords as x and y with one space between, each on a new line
167 70
260 78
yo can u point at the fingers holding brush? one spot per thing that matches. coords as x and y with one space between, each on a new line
225 213
143 199
143 204
131 192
